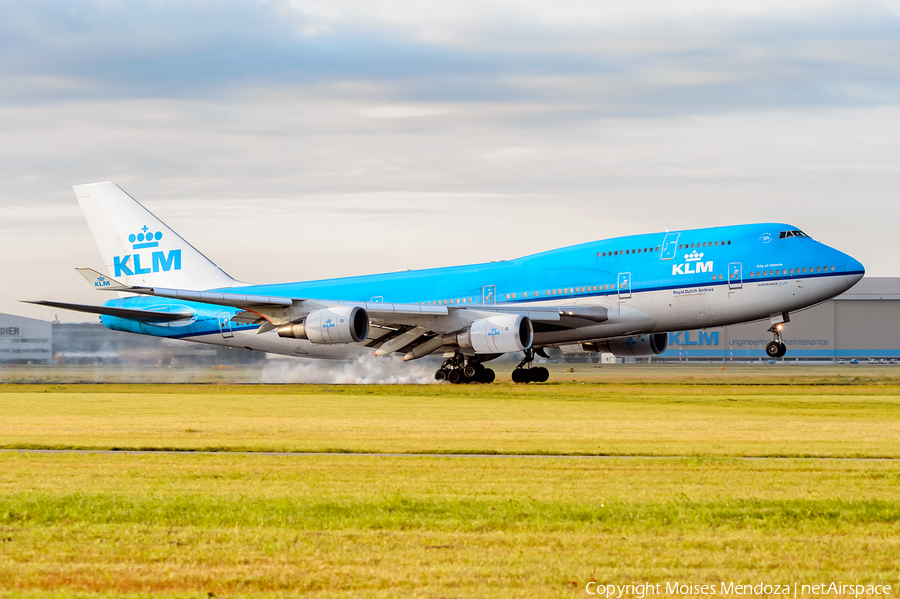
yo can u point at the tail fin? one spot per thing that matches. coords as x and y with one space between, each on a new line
138 248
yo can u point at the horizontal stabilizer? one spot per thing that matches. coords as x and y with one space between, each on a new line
100 280
142 315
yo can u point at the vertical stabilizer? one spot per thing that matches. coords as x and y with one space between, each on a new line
138 248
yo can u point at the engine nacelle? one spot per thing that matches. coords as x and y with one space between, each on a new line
341 324
498 334
646 345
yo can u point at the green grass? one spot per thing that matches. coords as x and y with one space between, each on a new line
347 526
852 419
344 525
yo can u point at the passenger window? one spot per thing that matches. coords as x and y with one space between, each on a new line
832 268
818 269
717 243
729 243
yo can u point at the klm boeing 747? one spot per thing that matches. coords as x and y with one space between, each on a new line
620 295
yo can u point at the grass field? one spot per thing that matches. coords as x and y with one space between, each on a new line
345 525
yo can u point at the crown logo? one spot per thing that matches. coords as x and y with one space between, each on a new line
693 256
145 239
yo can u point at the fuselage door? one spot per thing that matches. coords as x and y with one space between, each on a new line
225 325
735 275
669 247
487 294
624 285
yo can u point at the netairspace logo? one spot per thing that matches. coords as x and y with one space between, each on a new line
646 589
130 264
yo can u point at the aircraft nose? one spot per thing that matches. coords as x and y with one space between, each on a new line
854 269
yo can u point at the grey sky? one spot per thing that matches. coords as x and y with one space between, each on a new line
296 140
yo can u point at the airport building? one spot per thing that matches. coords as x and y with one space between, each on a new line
862 324
31 341
25 340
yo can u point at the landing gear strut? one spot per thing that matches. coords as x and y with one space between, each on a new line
776 348
525 373
455 370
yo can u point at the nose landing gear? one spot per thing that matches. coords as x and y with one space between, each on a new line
525 373
776 348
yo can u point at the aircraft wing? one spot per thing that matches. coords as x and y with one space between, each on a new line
393 326
154 316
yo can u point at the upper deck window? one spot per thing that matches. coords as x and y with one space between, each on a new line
786 234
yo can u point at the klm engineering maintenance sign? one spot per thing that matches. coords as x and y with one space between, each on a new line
703 338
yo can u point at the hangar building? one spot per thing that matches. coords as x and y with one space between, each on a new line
25 340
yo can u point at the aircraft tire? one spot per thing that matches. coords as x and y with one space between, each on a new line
455 376
440 375
540 374
782 349
773 348
487 376
470 371
520 375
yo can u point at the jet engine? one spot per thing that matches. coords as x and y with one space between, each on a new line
645 345
498 334
341 324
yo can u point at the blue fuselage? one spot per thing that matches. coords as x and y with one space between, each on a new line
744 272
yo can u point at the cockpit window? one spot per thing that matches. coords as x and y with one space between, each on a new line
785 234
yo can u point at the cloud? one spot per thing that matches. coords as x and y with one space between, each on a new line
342 137
646 58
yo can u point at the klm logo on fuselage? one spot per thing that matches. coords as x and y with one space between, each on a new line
130 264
693 264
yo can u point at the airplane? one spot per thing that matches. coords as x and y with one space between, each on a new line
620 296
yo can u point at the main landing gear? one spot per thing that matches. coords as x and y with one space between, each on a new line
776 348
526 373
456 371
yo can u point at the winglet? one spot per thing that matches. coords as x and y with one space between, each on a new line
101 281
